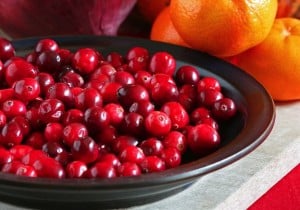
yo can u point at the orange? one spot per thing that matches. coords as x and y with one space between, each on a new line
225 27
150 9
163 30
288 8
275 62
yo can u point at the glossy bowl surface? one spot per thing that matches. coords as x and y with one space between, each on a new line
240 136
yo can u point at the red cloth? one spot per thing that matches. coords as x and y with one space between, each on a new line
284 195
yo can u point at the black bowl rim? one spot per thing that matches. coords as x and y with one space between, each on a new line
259 123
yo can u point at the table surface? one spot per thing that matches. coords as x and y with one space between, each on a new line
240 184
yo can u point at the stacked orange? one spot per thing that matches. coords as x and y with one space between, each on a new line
262 44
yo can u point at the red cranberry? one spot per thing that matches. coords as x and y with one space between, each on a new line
164 92
66 56
137 64
19 69
35 140
208 83
72 132
76 169
158 123
62 92
85 150
53 148
129 169
46 45
48 61
162 62
209 121
6 94
179 117
143 78
152 164
187 97
97 84
72 79
116 113
53 132
160 78
105 69
45 80
135 52
6 50
51 110
5 156
171 156
122 77
133 124
109 92
129 94
202 139
187 75
107 135
85 60
11 134
209 97
102 170
2 119
199 113
24 124
142 107
224 109
72 116
152 146
96 118
132 154
19 151
122 142
115 59
26 89
12 108
175 139
89 97
110 158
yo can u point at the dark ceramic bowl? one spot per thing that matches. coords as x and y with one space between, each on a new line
240 136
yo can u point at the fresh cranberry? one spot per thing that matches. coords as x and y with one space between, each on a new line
208 83
160 78
19 151
97 84
171 156
53 132
209 97
19 69
115 59
116 113
224 109
110 158
45 80
133 124
5 156
151 146
107 135
32 115
102 170
88 98
6 94
48 61
209 121
51 110
109 92
199 113
142 107
175 139
65 55
62 92
158 123
104 69
122 77
164 92
129 94
96 118
72 132
152 164
46 45
143 78
53 148
85 60
11 166
203 139
187 97
72 79
31 57
76 169
129 169
137 64
162 62
26 89
35 140
6 50
132 154
11 134
179 117
24 124
85 149
136 52
3 119
187 75
72 116
12 108
122 142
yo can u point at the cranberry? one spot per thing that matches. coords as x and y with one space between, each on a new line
96 118
160 78
76 169
171 156
203 139
6 94
12 108
5 156
102 170
132 154
46 45
187 97
109 92
179 117
97 84
224 109
72 116
35 140
143 78
137 64
142 107
72 132
122 77
122 142
45 81
151 146
23 122
19 69
136 52
85 149
162 62
89 97
152 164
51 110
85 60
115 59
26 89
187 75
62 92
53 132
129 169
66 56
158 123
52 148
175 139
32 115
107 135
3 119
164 92
209 97
129 94
110 158
48 61
208 83
199 113
11 134
116 113
19 151
72 79
209 121
105 69
6 50
133 124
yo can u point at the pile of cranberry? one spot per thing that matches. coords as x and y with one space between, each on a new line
84 114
